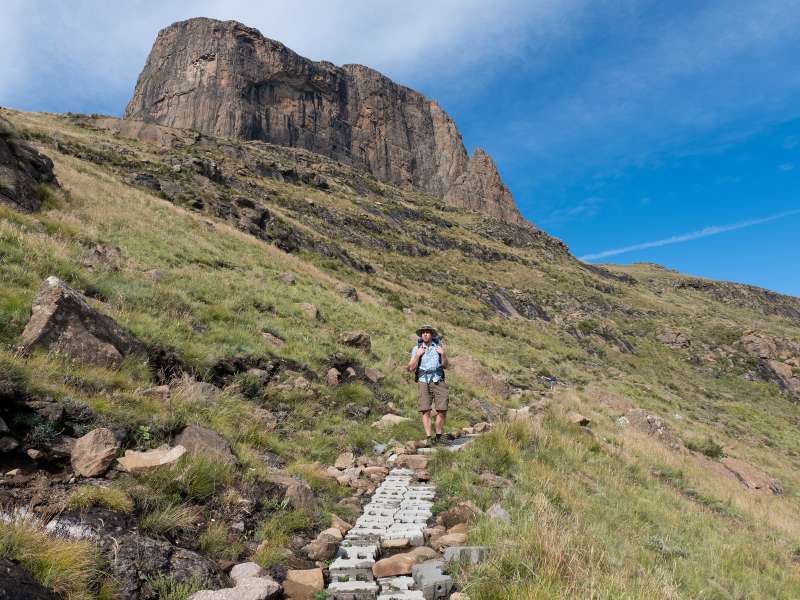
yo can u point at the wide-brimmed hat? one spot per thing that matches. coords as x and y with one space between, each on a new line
430 328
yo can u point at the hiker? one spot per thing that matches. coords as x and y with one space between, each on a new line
428 362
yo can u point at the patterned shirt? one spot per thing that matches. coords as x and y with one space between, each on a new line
429 361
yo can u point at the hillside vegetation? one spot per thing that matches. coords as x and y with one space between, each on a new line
684 485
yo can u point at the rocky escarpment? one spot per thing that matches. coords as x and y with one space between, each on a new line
226 79
23 171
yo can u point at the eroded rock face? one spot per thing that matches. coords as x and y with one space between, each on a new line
22 170
225 79
62 321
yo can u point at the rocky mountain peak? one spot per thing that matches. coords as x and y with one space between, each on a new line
225 79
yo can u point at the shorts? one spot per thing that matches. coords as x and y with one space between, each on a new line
439 392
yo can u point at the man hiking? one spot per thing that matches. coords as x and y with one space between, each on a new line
428 362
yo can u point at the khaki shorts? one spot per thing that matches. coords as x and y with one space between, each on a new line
439 392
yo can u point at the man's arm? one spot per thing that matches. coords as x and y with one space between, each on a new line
442 356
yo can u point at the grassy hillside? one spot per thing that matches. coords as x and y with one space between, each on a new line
204 228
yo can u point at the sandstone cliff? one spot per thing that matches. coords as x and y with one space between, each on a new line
226 79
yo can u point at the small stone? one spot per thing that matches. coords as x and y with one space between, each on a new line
286 278
272 339
311 311
340 524
322 548
374 375
463 512
347 290
137 461
197 439
3 427
402 564
34 454
303 584
344 461
94 452
412 461
449 539
459 528
332 376
8 444
13 472
356 339
350 372
498 512
248 569
459 596
389 420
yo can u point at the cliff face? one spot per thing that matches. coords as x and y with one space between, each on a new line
226 79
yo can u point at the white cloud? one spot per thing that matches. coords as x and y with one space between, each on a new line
686 237
94 48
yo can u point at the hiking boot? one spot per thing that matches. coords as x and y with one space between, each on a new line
430 441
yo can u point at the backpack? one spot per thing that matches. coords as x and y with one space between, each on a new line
438 370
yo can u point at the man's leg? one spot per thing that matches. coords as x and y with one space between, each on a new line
441 415
426 422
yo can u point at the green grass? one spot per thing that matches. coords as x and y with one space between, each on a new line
111 498
217 542
166 587
168 519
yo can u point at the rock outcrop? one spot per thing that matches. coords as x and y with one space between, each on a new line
62 321
22 171
225 79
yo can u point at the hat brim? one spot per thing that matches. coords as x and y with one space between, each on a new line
433 332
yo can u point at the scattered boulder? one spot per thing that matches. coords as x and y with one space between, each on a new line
272 339
332 376
134 461
62 321
412 461
463 512
448 539
347 290
373 375
322 548
296 493
93 453
345 460
286 278
8 444
401 564
248 569
389 420
356 339
100 256
311 311
340 524
498 512
674 339
303 584
247 588
651 425
200 440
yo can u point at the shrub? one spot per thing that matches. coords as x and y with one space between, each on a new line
706 446
111 498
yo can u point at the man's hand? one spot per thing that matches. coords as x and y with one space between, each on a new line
440 350
420 351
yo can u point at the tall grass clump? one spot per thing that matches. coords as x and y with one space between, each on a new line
71 568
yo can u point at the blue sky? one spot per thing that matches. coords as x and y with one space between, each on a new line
669 132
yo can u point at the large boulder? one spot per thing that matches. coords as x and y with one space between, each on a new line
22 171
200 440
94 452
296 493
62 321
401 564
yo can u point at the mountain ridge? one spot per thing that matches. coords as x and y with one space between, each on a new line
226 79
